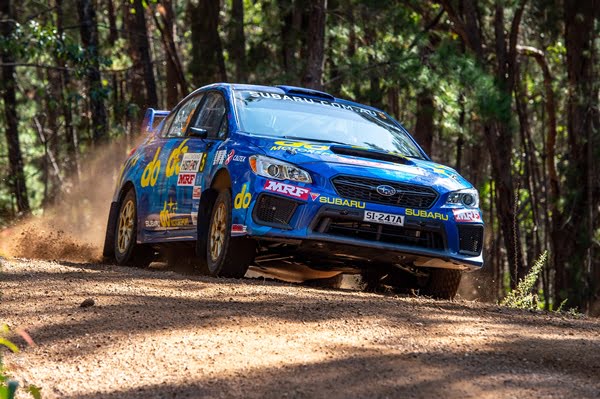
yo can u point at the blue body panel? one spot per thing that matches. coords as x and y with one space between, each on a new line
170 174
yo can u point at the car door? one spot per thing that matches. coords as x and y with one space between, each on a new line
159 185
207 127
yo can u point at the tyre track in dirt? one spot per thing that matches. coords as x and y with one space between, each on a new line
161 334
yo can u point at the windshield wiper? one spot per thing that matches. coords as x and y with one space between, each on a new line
315 140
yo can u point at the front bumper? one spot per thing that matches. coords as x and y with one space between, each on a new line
325 230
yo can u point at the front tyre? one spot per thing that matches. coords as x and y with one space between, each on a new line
442 283
226 256
127 252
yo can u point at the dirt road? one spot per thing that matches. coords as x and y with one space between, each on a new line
161 334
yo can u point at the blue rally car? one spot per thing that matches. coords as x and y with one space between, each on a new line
237 174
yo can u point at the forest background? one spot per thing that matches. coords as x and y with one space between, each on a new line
505 91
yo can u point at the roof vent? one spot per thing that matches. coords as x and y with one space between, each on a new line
291 90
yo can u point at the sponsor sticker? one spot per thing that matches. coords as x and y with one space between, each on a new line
242 200
152 223
287 189
239 158
314 196
167 213
186 179
229 157
173 163
426 214
197 192
342 202
151 171
219 157
180 221
275 96
194 216
297 146
191 162
466 215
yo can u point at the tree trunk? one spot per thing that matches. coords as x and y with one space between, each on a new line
16 175
113 34
573 256
207 64
375 93
89 39
552 192
143 82
238 40
460 141
70 137
291 14
315 45
424 125
393 102
176 82
52 100
497 131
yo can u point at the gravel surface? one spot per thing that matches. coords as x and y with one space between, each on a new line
105 331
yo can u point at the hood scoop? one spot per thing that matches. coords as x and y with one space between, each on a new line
371 154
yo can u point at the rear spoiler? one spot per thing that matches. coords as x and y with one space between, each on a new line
152 119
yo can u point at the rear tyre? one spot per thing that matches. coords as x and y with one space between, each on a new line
442 283
127 252
225 256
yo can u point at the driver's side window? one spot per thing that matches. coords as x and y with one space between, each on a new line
212 116
182 118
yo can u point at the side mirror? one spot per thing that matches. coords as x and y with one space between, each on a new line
198 132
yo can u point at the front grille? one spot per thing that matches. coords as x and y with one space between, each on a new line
470 239
383 233
274 211
365 189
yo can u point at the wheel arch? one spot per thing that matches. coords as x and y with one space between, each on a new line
128 185
221 180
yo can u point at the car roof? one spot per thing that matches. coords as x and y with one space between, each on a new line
281 89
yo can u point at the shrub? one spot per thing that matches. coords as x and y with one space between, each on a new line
523 297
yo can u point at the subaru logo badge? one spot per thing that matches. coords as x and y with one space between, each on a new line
385 190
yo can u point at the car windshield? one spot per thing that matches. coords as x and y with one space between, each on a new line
283 116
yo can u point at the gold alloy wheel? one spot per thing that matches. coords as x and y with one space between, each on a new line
125 231
217 232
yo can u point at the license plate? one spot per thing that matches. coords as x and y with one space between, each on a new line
384 218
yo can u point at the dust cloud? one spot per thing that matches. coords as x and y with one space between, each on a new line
73 228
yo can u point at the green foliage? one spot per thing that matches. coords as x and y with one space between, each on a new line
522 296
491 102
8 387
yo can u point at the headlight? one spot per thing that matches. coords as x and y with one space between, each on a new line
276 169
468 198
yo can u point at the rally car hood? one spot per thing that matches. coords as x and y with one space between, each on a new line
332 159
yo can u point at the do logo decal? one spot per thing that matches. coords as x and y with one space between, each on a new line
173 162
242 200
151 171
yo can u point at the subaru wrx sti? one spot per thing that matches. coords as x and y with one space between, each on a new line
271 176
